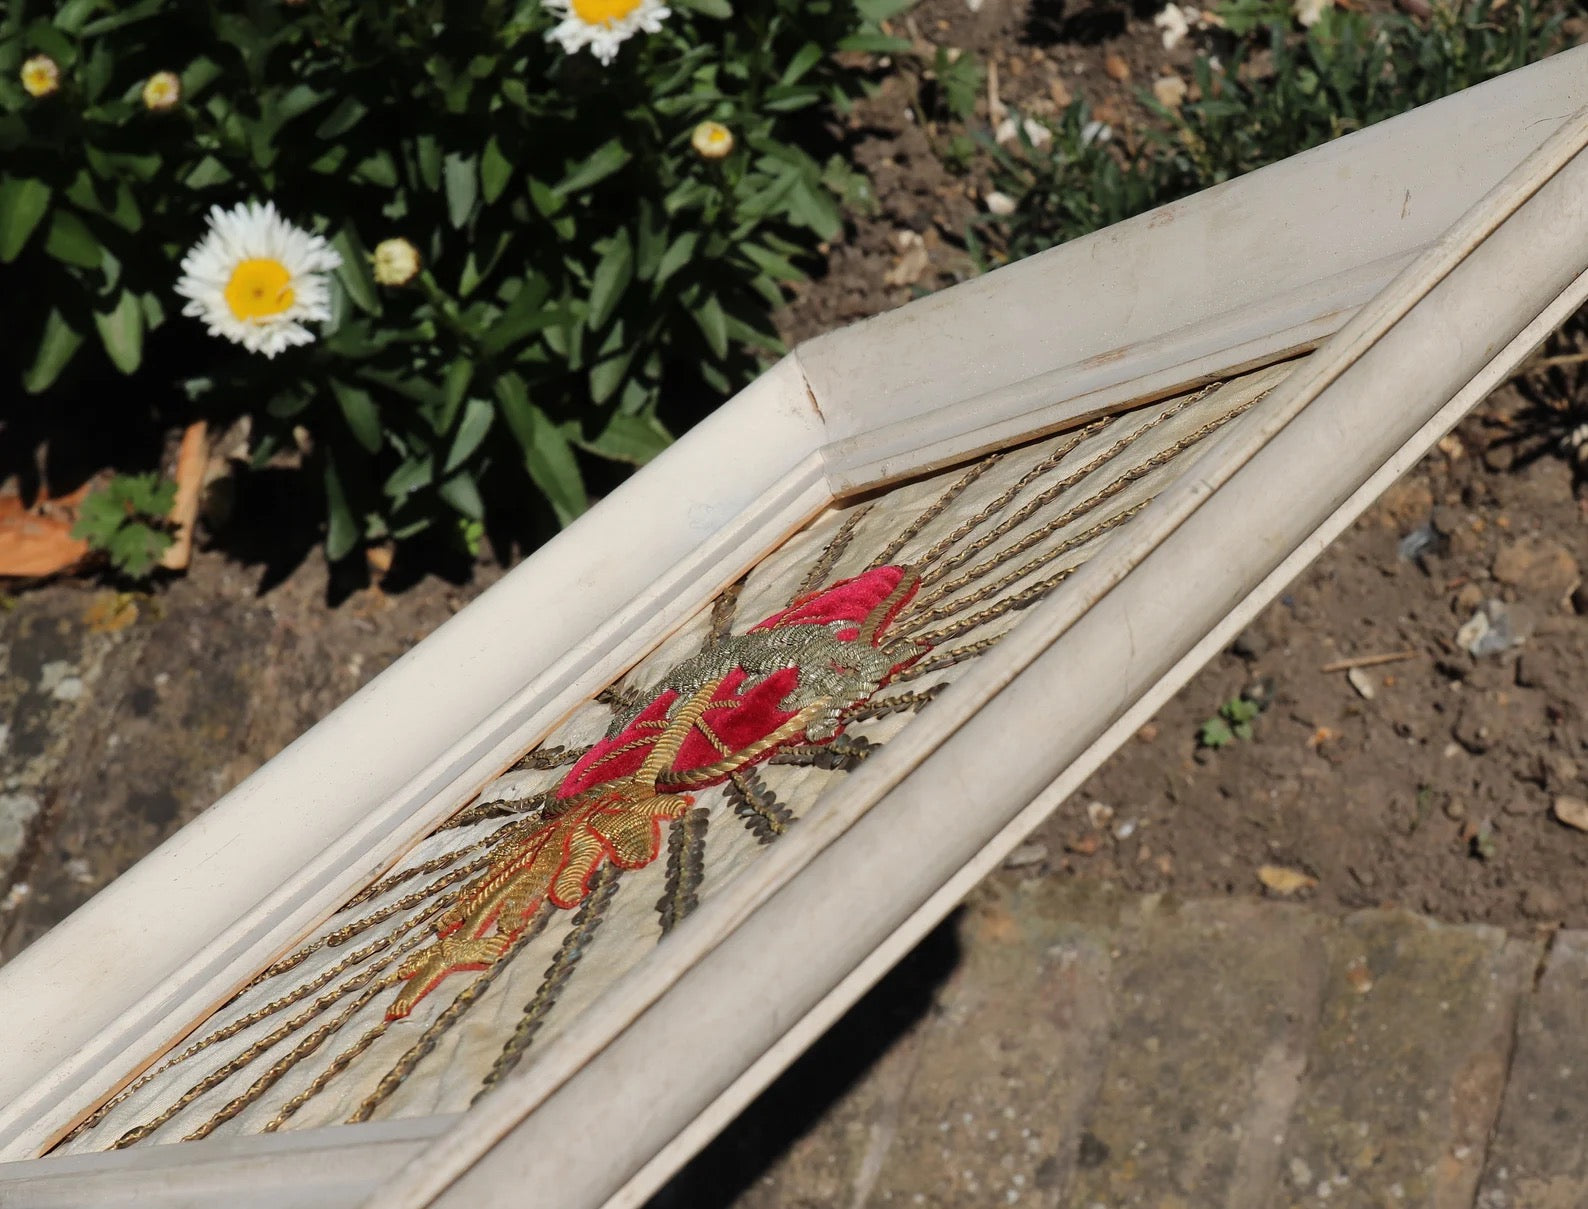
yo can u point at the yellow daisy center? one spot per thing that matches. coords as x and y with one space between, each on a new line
603 12
259 289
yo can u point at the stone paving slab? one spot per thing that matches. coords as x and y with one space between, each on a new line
1539 1157
982 1100
1404 1081
1220 997
1097 1050
1003 1079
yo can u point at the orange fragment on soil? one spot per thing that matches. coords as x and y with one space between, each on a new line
1319 737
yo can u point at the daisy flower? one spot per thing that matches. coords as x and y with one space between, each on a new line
255 278
711 140
40 76
162 91
604 25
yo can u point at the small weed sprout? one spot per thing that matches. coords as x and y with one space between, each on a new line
1233 721
126 521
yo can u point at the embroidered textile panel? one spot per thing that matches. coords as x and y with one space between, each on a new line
476 951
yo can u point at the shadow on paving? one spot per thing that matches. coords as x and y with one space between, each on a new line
821 1078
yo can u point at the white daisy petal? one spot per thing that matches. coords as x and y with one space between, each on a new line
604 25
255 279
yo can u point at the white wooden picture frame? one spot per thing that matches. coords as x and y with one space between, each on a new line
1422 259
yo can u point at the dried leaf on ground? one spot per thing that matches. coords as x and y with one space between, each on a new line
37 542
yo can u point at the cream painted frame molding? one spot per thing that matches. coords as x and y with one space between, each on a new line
1436 250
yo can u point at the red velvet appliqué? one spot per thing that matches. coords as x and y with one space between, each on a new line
847 600
741 719
737 719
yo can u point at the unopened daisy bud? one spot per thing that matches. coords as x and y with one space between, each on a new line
711 140
396 261
40 76
162 91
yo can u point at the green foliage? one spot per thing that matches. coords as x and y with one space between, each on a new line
959 79
578 253
1075 184
1350 70
1280 92
1245 17
1233 721
126 520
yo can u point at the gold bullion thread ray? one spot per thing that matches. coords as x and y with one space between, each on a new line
831 552
449 1016
232 1027
933 510
1048 494
244 1059
305 1047
586 921
996 505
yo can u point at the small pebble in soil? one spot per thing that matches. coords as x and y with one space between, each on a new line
1538 567
1249 645
1496 627
1172 21
1000 204
1480 725
1420 541
1362 683
1359 976
1025 856
1170 91
1539 902
1571 811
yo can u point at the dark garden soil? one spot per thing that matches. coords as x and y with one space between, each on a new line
1436 782
1432 782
